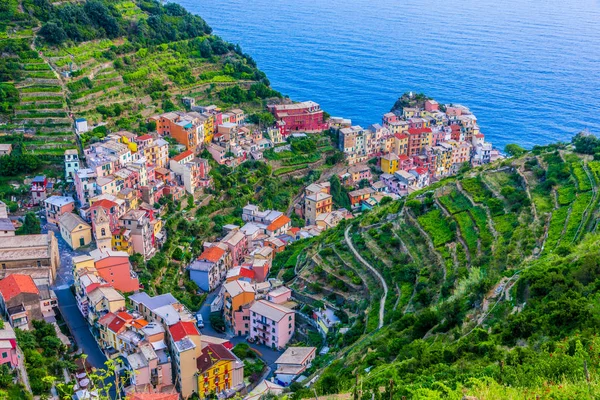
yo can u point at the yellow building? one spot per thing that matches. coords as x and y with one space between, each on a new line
209 128
409 112
400 144
215 370
121 241
389 163
74 230
316 204
103 299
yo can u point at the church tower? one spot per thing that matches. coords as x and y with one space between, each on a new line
102 231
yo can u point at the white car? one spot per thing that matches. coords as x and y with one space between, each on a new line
200 321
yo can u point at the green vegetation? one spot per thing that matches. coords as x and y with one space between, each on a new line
115 62
438 227
43 351
496 317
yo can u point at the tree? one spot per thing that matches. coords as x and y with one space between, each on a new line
31 225
586 143
514 150
53 33
340 197
217 321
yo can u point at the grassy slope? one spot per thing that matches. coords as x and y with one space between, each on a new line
452 326
141 79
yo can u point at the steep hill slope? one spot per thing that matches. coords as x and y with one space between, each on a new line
115 61
491 274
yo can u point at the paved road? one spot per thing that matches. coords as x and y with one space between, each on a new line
205 311
374 271
64 272
80 330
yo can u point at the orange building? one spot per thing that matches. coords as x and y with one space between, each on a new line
239 297
180 127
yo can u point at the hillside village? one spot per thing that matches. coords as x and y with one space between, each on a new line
111 206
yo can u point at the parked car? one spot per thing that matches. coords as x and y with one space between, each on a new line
199 321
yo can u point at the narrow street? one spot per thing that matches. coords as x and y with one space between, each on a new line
78 327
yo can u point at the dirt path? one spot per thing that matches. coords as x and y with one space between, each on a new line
458 232
374 271
589 209
533 208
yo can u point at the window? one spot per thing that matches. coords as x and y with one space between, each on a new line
103 232
39 264
4 355
273 330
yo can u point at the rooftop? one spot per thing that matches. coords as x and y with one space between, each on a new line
72 221
235 288
274 312
59 201
16 284
183 329
279 222
295 355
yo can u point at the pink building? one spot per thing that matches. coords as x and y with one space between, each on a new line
57 206
114 267
304 117
389 118
431 105
237 243
85 185
280 295
271 324
8 346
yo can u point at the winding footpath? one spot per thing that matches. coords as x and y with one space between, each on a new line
374 271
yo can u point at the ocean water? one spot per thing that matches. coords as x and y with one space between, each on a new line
528 69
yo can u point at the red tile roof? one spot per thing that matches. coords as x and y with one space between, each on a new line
14 285
104 203
400 136
183 155
421 171
418 131
144 137
455 127
279 222
246 273
212 254
125 316
403 157
116 325
479 135
183 329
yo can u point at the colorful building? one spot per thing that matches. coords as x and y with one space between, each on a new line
218 371
186 347
74 230
238 297
304 117
272 325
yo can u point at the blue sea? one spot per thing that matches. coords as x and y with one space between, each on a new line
528 69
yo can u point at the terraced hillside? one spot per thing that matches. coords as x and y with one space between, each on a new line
467 263
112 61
